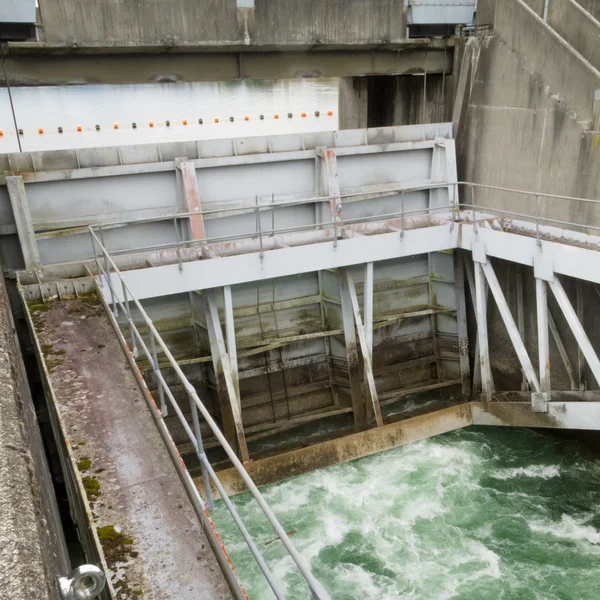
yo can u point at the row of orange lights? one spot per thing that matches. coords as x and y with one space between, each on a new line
184 122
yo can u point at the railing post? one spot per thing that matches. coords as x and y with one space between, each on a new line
210 503
402 216
178 238
161 393
259 227
129 320
94 250
107 269
537 221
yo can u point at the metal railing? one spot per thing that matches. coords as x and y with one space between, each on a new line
195 435
334 227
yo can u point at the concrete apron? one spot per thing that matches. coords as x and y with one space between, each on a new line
344 449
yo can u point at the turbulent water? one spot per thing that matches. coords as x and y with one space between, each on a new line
476 514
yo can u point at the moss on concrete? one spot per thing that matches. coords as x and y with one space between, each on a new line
84 464
116 546
92 488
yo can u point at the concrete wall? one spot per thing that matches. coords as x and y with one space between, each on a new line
220 22
381 101
32 548
578 27
529 110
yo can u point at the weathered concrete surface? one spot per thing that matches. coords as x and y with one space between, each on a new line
32 549
578 27
137 507
280 23
347 448
382 101
526 127
26 65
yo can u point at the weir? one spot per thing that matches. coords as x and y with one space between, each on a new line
207 316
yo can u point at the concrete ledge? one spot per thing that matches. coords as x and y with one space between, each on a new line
345 449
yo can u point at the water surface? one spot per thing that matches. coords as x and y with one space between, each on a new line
476 514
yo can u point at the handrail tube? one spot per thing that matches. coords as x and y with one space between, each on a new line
384 192
315 586
238 521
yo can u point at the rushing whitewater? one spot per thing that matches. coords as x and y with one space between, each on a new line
473 515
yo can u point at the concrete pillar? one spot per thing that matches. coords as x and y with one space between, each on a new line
352 103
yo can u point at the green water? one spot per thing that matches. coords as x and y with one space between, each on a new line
481 513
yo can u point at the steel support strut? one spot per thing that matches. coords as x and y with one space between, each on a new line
358 404
582 339
230 401
364 346
511 326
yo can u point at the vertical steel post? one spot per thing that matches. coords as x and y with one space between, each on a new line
461 323
482 335
230 335
521 320
580 356
368 307
541 295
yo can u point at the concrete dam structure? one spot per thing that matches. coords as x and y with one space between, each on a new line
198 305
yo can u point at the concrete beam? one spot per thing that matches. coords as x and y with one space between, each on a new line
349 447
560 415
244 268
104 67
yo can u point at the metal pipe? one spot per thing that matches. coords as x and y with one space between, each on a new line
248 539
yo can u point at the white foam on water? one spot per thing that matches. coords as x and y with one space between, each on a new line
419 523
568 528
533 471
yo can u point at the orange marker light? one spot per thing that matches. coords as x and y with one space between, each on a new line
246 118
330 113
184 122
150 123
1 133
116 126
216 119
41 130
79 128
276 116
303 115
